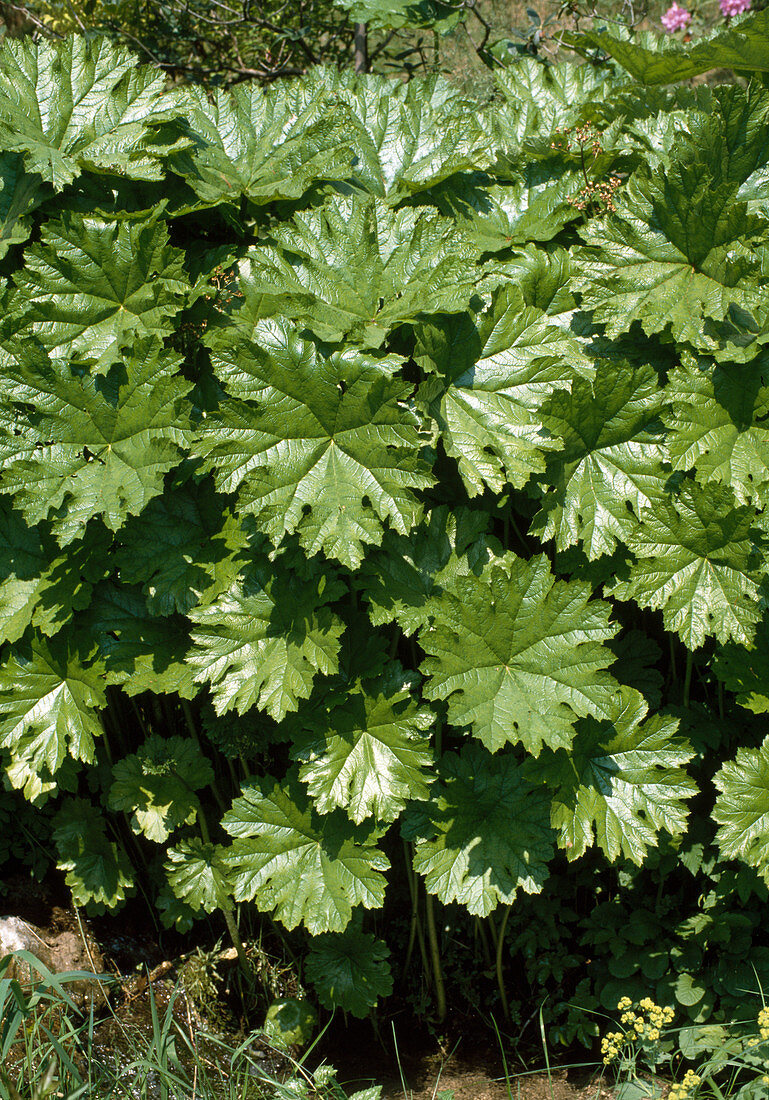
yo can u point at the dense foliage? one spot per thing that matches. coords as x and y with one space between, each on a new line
385 474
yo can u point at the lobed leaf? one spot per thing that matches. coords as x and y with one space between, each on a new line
697 562
78 104
157 785
610 465
518 655
49 703
263 642
354 269
349 970
623 778
316 441
742 808
91 287
490 376
92 445
366 750
302 867
482 868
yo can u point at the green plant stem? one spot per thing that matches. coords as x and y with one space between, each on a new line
157 712
103 724
226 906
516 528
189 722
673 674
435 955
688 677
498 967
138 716
415 931
480 932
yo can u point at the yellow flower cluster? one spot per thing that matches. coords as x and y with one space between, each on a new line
763 1023
682 1090
646 1023
611 1045
656 1017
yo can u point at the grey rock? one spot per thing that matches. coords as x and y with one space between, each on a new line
59 952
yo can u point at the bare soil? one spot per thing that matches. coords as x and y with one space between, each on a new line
468 1073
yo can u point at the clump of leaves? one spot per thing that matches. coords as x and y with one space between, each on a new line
360 497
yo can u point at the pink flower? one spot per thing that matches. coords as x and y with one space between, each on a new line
677 19
734 7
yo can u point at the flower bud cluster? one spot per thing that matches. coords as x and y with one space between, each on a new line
601 194
597 195
682 1090
763 1023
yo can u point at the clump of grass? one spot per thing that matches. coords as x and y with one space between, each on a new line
48 1049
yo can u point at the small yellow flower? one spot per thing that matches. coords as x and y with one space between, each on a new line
765 1080
653 1034
624 1002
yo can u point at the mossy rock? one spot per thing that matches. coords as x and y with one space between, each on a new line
290 1022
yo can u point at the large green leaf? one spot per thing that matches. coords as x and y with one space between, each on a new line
49 703
184 547
263 642
349 970
80 103
679 254
519 655
320 442
157 785
354 268
542 97
20 194
491 376
38 583
302 867
262 144
140 651
197 874
611 458
407 137
742 808
719 425
365 749
91 287
622 778
99 872
741 46
745 670
485 834
400 579
90 445
698 563
532 206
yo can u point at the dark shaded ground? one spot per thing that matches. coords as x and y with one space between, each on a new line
142 957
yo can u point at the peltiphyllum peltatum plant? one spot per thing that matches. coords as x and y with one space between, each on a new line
382 473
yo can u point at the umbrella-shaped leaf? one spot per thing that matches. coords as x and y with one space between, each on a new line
519 655
302 867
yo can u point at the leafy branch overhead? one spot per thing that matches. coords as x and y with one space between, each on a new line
380 517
